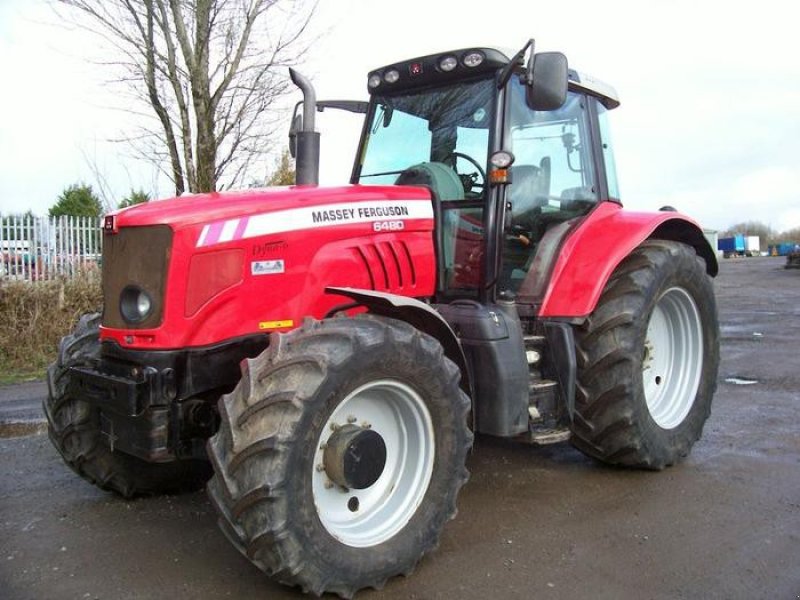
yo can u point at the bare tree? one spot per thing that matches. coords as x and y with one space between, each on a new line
765 232
209 70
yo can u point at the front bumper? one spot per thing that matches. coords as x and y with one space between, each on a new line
134 411
160 406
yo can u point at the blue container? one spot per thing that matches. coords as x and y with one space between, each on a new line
731 245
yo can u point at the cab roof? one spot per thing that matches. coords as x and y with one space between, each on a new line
428 70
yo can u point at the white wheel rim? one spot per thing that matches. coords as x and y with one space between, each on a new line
673 358
399 415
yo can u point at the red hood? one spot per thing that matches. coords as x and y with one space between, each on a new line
202 208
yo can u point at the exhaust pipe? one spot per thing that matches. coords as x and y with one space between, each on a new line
306 139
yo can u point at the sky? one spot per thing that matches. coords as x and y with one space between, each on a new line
710 91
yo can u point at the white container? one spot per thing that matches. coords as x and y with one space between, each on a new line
752 245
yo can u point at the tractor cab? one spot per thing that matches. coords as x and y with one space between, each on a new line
508 178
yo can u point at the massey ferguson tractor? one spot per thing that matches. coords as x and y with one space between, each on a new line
328 352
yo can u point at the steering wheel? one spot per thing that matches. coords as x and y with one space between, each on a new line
468 180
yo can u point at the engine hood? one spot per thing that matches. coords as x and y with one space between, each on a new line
191 210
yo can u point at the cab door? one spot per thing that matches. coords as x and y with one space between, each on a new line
554 184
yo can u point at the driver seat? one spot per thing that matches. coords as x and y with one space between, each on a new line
440 178
530 187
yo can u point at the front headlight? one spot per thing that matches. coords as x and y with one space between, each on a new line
134 304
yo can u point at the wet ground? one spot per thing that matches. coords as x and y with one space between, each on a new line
533 523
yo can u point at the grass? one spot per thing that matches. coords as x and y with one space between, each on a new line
35 316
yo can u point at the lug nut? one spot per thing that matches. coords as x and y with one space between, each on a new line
320 468
351 419
328 485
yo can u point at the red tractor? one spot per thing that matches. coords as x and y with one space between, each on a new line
329 352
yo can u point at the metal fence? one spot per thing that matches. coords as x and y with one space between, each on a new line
41 248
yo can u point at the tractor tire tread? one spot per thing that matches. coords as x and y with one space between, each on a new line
73 429
608 423
251 460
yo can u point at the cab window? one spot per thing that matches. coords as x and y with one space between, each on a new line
553 176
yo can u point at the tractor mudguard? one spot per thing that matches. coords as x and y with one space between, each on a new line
416 313
593 250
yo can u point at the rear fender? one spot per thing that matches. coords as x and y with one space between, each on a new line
591 253
416 313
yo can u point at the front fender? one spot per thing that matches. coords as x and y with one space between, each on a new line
418 314
590 254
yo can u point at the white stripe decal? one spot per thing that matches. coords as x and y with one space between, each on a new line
228 230
311 217
203 234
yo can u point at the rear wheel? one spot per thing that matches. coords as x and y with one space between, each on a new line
648 359
341 453
73 425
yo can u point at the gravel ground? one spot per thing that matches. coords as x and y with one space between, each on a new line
533 522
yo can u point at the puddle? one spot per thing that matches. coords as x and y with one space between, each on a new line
11 429
740 333
740 380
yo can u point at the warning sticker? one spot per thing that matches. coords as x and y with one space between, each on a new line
266 267
276 324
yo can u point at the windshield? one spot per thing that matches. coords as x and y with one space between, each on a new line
439 138
448 127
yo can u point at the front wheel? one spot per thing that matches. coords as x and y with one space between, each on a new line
340 453
648 359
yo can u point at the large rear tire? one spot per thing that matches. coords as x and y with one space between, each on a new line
648 359
340 453
73 425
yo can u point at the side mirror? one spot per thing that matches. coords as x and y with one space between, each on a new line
297 125
546 81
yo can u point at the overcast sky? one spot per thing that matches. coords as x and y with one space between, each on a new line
709 122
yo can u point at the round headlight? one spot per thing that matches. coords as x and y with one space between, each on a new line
448 63
135 304
374 81
502 159
472 59
391 76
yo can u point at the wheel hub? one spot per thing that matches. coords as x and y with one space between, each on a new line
380 436
354 457
672 362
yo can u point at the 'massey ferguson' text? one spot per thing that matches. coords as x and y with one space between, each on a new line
360 213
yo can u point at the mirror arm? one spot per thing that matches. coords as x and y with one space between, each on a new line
529 68
505 75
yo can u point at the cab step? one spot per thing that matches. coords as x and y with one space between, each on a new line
544 436
541 385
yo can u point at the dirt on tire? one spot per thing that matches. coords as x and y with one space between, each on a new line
263 454
612 420
73 425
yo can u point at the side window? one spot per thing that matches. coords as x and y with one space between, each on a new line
553 155
608 152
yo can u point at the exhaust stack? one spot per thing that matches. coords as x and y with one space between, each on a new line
306 139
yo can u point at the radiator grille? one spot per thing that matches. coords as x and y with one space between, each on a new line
389 266
135 256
